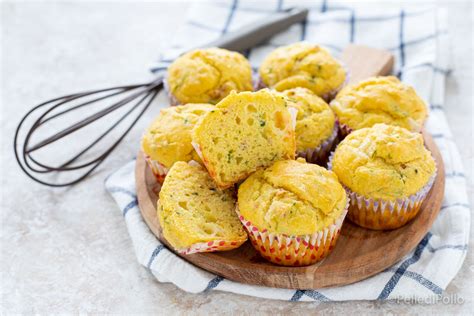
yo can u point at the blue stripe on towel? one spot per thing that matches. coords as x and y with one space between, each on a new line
416 41
324 6
465 205
403 268
402 43
157 69
420 279
303 29
246 9
230 16
315 295
279 5
453 247
424 39
436 107
441 70
297 296
165 60
428 65
154 254
455 174
352 32
213 283
439 135
389 17
364 18
129 206
203 26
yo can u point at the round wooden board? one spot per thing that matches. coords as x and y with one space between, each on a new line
359 252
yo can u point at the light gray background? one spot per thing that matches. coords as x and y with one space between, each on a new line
67 250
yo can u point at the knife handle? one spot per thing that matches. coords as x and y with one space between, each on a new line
256 33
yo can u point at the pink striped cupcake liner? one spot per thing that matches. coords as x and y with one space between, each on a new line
288 250
159 170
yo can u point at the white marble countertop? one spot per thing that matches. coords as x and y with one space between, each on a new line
67 250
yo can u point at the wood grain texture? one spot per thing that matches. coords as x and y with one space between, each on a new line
364 62
359 253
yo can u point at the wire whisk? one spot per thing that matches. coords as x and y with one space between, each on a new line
139 97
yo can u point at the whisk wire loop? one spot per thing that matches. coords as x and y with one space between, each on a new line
140 95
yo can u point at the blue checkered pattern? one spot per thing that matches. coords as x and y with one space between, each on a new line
418 38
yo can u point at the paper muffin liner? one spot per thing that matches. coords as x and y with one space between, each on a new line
256 82
300 250
344 130
211 246
320 154
259 85
380 214
159 170
326 97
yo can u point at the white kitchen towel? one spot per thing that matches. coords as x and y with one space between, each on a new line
418 38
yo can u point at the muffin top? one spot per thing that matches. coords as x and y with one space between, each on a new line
302 65
380 100
315 119
292 197
245 132
191 209
208 75
383 162
168 138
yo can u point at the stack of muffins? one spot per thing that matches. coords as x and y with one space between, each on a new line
282 166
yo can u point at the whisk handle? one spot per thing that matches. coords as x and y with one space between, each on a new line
256 33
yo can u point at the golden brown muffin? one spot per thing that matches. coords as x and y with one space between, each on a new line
388 173
303 65
195 215
168 139
297 203
379 100
245 132
208 75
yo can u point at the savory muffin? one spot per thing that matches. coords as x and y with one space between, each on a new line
379 100
387 172
292 211
168 139
316 130
245 132
303 65
207 76
195 215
